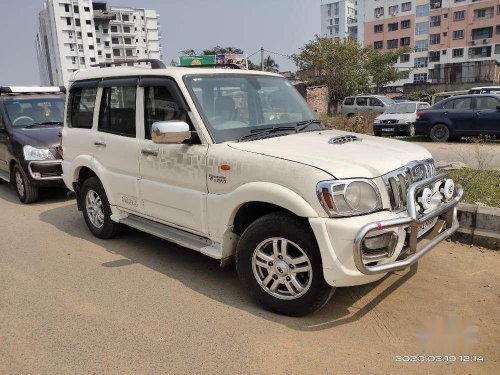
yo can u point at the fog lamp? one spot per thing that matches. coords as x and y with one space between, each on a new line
425 198
447 189
380 246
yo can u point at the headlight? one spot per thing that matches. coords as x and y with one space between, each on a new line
376 121
33 153
404 121
349 197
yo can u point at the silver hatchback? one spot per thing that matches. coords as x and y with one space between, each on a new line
353 105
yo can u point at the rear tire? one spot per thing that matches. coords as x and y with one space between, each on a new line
440 133
26 192
278 260
411 131
96 209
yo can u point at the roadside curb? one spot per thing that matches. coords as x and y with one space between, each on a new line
478 226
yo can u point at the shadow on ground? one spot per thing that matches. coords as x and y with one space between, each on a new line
203 274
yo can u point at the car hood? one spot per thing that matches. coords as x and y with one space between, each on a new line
368 157
397 116
46 136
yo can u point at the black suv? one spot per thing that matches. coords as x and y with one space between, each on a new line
31 119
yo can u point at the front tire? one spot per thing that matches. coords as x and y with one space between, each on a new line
278 260
96 209
26 192
440 133
411 131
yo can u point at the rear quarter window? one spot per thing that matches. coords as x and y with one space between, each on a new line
349 101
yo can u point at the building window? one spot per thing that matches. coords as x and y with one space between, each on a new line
114 40
405 24
392 43
77 21
76 9
434 56
406 7
92 59
421 62
126 29
91 47
87 9
459 16
421 45
379 12
71 47
73 60
98 40
104 31
419 77
116 52
70 35
125 17
393 26
79 34
443 52
128 41
478 52
96 27
482 33
80 47
114 29
435 39
82 60
405 41
497 49
66 8
483 13
458 34
99 53
435 4
108 55
106 44
393 10
68 21
89 35
404 58
421 28
497 30
129 52
378 28
435 21
457 52
88 22
422 10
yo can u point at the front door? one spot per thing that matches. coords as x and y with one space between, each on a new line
173 176
115 142
487 115
460 113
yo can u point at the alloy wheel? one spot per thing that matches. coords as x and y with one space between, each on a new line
20 184
94 208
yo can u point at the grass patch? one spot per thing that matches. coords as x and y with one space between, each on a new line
361 123
480 186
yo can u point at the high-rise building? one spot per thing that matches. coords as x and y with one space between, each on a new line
76 34
455 41
342 18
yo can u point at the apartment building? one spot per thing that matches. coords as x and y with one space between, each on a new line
454 40
76 34
342 18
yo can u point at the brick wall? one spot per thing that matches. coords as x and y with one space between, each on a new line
317 98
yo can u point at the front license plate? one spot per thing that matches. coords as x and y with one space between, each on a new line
427 226
387 129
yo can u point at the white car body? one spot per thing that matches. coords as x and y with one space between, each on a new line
398 123
200 189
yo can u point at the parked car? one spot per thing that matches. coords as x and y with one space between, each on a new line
398 119
353 105
463 116
235 165
437 97
485 90
30 120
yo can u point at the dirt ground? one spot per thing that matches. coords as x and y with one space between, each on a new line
73 304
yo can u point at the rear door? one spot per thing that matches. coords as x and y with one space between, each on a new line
361 104
487 115
376 105
115 143
459 114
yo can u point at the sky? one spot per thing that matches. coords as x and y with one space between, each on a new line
281 26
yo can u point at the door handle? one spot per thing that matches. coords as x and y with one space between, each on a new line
149 152
100 143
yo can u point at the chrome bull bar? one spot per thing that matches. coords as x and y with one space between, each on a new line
446 214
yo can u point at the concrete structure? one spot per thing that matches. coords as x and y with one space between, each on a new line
456 41
75 34
342 18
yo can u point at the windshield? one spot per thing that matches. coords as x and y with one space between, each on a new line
26 112
234 106
386 100
402 108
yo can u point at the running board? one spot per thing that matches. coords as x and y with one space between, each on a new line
180 237
4 176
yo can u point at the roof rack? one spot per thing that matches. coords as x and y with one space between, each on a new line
227 66
155 64
12 90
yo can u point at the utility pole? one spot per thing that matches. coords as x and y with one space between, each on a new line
262 58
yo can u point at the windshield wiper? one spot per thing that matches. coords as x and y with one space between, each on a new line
302 125
268 130
48 123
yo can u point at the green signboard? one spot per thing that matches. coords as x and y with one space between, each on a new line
197 60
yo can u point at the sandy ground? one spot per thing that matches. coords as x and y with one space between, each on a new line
73 304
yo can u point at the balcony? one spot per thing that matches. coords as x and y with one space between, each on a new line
103 15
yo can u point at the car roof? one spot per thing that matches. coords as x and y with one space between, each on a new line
175 72
486 87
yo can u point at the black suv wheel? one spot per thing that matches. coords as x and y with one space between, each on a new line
26 192
440 133
96 209
278 260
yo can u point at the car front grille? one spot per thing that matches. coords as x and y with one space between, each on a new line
389 121
397 182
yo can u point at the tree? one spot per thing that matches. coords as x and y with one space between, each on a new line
380 66
339 63
218 50
252 66
270 65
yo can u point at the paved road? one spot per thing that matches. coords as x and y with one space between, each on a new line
72 304
485 155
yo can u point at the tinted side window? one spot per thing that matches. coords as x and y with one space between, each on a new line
159 105
117 112
349 101
487 102
81 107
375 102
362 101
2 126
464 103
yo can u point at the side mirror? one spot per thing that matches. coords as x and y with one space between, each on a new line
165 132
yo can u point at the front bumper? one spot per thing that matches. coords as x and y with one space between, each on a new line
340 240
45 173
399 129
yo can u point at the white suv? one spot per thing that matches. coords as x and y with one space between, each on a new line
233 164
